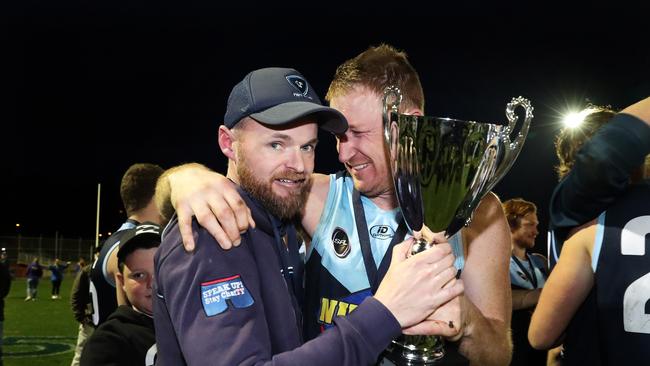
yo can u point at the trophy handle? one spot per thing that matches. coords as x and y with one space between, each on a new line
400 134
518 140
499 159
511 145
391 101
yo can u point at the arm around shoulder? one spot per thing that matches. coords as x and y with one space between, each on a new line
194 190
163 195
602 168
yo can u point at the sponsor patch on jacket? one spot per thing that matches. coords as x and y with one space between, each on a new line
217 295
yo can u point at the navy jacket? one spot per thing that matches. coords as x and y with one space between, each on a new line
235 307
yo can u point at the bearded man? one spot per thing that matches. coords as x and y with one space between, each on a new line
243 306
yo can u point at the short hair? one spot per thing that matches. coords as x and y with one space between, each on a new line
141 244
138 186
517 208
570 139
377 68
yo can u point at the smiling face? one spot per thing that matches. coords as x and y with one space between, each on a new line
362 147
524 235
137 277
275 163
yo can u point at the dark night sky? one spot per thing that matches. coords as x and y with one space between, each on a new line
91 89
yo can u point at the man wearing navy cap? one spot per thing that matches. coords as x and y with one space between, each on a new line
127 336
242 306
352 219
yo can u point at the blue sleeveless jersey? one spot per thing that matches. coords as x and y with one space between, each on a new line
614 320
519 280
102 286
336 279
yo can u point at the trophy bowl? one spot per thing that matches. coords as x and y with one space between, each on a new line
441 169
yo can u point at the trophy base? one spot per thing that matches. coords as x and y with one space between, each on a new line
398 355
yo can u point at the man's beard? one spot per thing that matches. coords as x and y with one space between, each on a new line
284 208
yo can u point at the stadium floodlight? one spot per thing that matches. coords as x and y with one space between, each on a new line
572 119
575 119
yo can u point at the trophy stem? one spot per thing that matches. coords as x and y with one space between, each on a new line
417 350
420 245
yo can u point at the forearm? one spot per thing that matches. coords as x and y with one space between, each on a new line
357 339
524 299
485 341
163 196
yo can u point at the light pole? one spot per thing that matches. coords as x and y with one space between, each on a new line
18 247
99 190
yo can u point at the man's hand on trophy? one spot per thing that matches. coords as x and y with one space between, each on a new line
447 320
415 287
426 239
214 200
428 235
434 325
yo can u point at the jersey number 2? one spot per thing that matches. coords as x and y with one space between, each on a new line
635 319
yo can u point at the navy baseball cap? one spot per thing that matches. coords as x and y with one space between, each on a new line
146 234
275 96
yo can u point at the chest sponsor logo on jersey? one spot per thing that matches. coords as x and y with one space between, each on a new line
331 308
522 275
341 243
382 232
217 295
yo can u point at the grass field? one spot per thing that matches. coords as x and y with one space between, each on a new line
41 332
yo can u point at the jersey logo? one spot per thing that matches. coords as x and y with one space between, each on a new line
341 243
331 308
522 275
382 232
299 83
217 294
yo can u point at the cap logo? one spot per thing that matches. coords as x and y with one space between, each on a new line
341 243
299 83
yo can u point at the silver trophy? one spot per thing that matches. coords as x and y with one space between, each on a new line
441 169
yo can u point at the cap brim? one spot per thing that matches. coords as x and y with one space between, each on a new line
327 118
140 238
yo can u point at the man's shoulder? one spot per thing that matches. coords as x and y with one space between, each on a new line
171 237
172 254
338 185
111 240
